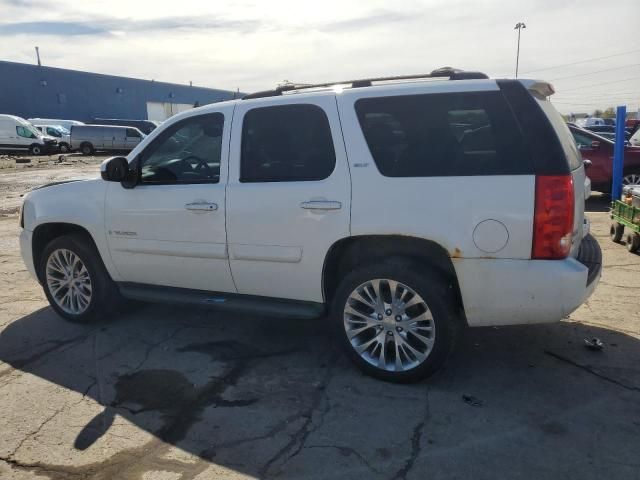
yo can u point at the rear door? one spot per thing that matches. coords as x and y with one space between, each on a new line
289 194
598 151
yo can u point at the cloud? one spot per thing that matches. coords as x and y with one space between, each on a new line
107 26
370 20
253 44
51 28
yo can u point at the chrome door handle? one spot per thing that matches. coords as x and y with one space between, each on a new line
201 206
321 205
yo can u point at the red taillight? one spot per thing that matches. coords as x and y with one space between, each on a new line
553 217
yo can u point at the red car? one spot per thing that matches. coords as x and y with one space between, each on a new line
600 151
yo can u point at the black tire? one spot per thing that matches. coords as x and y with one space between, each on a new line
64 148
437 294
87 149
36 149
616 231
633 242
105 297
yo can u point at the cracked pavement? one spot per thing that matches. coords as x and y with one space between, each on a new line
169 393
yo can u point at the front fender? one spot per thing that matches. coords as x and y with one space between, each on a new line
78 203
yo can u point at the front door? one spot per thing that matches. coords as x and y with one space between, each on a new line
289 194
133 138
170 229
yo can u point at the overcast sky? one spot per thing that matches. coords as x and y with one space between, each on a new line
253 45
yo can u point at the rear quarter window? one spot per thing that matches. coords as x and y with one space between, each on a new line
562 130
452 134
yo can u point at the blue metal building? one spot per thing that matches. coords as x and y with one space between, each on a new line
34 91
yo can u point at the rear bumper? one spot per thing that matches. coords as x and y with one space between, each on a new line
511 292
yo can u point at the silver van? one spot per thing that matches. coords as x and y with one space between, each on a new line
92 138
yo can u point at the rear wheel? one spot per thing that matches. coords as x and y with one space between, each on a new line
75 281
633 241
86 149
64 148
396 322
616 231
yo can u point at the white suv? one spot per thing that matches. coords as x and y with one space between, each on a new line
405 207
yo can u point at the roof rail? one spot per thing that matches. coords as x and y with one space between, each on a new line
451 73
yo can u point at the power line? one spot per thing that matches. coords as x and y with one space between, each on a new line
600 84
583 61
593 73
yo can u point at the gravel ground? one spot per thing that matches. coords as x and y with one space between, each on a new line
18 178
170 393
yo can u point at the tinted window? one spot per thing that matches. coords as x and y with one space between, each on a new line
285 144
442 135
132 132
186 152
562 130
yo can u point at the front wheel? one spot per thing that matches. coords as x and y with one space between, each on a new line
75 280
395 321
35 149
616 231
64 148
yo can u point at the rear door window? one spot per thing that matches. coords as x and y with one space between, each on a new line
286 143
443 135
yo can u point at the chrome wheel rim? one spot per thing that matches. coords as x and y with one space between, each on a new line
68 281
631 179
389 325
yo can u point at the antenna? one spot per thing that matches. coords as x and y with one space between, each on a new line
38 56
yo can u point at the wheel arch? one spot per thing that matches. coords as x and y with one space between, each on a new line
44 233
350 252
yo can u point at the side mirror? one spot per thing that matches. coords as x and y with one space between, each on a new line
115 169
587 164
595 144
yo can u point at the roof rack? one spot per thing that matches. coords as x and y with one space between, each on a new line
451 73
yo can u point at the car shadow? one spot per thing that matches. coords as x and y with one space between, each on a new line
598 202
274 398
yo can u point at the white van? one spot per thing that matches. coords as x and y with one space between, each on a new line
55 121
18 134
58 132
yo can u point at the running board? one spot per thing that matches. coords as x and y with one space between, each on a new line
228 302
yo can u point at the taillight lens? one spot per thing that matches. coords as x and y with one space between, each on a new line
553 218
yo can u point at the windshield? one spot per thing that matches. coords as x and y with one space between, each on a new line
61 129
31 129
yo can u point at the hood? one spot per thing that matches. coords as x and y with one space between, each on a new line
61 182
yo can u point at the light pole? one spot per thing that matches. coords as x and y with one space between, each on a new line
519 26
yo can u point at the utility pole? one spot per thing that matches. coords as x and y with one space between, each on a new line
38 56
519 26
